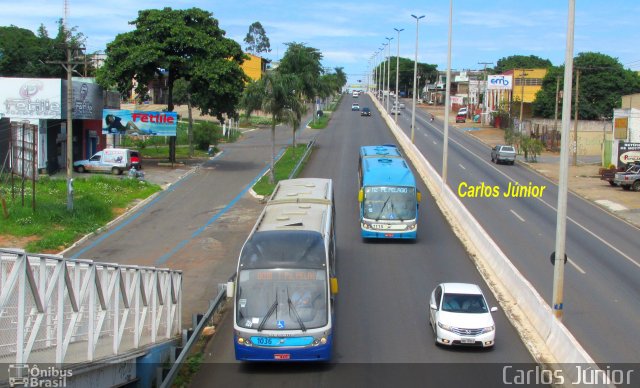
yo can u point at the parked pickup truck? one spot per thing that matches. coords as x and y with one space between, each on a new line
629 179
609 174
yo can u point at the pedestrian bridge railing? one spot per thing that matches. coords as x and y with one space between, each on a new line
59 310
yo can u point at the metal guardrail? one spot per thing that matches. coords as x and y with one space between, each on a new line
215 305
295 170
74 311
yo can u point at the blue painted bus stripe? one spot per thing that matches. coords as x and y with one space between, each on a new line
213 219
129 219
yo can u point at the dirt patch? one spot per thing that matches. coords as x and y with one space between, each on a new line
9 241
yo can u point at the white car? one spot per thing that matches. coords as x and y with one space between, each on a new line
459 315
462 111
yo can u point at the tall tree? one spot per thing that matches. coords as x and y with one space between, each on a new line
603 82
521 62
25 54
427 73
185 44
275 94
257 40
304 62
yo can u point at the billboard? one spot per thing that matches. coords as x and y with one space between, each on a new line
137 122
500 82
30 98
628 153
88 100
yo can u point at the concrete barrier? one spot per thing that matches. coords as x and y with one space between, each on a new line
557 339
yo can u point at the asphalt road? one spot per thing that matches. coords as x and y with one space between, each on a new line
602 279
197 225
382 335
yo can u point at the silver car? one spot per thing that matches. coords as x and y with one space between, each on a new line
503 153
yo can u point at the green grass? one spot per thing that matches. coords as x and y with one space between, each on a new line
97 200
320 122
254 121
284 166
162 152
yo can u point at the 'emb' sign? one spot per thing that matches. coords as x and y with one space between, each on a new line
500 82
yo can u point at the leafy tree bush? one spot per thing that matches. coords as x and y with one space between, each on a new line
206 134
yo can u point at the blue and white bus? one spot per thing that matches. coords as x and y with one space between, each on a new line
285 285
388 197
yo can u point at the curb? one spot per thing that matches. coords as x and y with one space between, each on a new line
128 212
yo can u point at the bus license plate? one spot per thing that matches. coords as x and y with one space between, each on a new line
281 356
467 340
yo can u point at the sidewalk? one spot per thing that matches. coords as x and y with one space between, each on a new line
583 178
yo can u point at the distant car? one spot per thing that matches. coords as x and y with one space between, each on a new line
394 110
402 106
459 315
461 118
355 106
430 102
503 153
365 112
355 94
462 111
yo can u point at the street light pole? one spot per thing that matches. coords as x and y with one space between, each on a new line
561 220
397 69
447 103
522 75
484 94
415 74
384 68
388 71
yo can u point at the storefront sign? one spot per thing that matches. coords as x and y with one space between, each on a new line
30 98
126 122
87 100
628 153
499 82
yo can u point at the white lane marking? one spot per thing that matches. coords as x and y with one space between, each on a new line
434 142
603 241
517 215
576 266
461 166
425 134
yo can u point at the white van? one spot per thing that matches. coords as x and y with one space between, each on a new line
113 160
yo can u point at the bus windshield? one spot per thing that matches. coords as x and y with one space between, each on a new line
282 299
390 203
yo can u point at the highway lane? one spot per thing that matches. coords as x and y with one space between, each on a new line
381 311
602 283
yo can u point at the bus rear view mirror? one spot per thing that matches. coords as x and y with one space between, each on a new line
334 285
419 196
360 195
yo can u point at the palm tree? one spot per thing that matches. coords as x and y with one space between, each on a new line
275 94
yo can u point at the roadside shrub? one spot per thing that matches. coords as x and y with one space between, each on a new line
206 134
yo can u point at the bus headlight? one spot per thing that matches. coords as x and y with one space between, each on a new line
244 341
323 340
412 226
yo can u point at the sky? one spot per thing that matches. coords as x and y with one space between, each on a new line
348 34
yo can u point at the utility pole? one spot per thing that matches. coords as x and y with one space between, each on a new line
484 94
522 75
447 101
557 303
415 76
69 65
388 71
575 121
555 115
399 30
